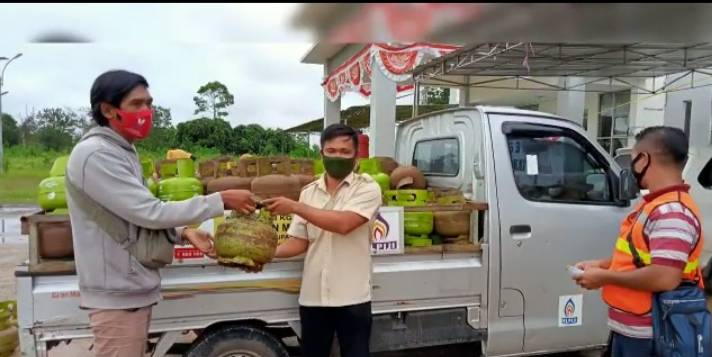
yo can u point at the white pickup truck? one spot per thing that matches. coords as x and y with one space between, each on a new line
548 196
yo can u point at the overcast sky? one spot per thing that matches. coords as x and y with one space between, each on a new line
251 48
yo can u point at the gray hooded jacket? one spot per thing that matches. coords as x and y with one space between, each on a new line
105 166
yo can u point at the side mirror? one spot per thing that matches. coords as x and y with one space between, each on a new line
627 187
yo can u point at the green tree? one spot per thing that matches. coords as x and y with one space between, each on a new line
240 144
28 128
435 95
303 150
10 131
277 141
252 139
213 99
205 132
85 121
162 117
54 139
62 119
58 128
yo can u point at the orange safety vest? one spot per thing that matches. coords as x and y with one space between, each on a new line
636 301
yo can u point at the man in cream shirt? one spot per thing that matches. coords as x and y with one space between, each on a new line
331 223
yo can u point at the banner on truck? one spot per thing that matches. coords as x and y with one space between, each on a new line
387 232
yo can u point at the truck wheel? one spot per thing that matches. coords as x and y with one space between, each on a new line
238 341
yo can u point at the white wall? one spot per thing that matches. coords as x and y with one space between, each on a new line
701 118
571 104
592 107
646 109
548 105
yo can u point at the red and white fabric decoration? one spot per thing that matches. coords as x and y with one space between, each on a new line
394 62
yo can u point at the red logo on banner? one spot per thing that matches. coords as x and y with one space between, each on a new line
398 63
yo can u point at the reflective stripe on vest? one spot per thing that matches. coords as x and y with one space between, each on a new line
623 247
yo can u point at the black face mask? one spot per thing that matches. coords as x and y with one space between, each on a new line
338 167
639 175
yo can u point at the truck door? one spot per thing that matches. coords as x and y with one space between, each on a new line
557 206
698 174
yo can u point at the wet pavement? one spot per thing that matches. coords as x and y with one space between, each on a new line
10 222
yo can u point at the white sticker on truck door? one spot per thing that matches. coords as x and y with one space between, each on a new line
570 309
532 165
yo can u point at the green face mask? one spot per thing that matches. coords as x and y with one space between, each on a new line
338 167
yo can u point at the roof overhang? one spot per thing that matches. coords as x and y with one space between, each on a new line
522 62
322 52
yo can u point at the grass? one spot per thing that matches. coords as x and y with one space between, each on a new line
25 167
20 187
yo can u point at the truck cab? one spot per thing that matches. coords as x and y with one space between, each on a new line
555 198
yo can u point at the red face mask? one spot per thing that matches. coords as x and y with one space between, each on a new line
135 125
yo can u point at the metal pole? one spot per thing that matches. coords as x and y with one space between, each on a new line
416 100
2 79
2 151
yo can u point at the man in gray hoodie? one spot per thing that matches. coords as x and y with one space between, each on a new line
118 290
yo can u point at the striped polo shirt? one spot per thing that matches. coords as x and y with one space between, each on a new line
672 231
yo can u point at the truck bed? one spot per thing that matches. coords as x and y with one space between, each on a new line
196 296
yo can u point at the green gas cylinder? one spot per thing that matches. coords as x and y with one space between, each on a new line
58 167
51 191
51 195
181 187
148 171
372 167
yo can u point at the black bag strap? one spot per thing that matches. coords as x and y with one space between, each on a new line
637 260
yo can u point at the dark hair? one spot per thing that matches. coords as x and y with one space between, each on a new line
334 131
112 87
672 142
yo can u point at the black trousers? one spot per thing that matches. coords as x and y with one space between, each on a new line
351 324
623 346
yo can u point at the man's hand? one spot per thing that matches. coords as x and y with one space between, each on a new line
291 248
201 240
590 264
239 200
281 205
592 278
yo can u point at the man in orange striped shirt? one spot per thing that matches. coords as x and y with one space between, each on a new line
665 230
